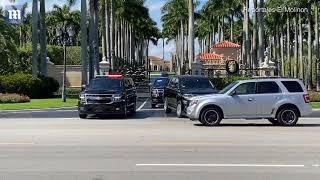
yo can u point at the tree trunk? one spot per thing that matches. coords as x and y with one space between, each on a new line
222 29
278 53
191 33
247 46
288 46
255 38
84 43
96 37
103 33
295 19
91 41
301 65
282 52
112 35
316 30
43 39
35 18
261 33
108 45
182 45
231 28
309 72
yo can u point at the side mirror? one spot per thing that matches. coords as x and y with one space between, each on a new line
83 87
233 93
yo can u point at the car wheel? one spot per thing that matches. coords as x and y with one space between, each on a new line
153 105
166 108
274 121
210 116
288 116
82 116
179 109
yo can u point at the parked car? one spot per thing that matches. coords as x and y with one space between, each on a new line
108 95
180 88
281 101
157 90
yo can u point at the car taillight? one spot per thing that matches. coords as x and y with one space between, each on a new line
306 98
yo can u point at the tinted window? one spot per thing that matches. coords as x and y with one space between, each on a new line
190 83
160 82
246 88
267 87
105 84
292 86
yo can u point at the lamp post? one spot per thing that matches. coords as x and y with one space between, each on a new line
64 35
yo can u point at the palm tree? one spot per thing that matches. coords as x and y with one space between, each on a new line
84 42
261 33
35 37
309 72
316 30
191 33
43 39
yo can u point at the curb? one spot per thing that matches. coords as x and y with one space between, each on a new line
20 110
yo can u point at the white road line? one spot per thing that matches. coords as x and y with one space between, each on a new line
225 165
144 103
316 165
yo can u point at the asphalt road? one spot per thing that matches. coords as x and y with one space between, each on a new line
56 145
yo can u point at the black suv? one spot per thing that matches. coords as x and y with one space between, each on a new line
180 88
157 90
108 95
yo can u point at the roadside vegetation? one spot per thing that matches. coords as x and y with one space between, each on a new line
40 104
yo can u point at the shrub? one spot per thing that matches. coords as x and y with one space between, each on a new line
220 83
26 84
314 96
13 98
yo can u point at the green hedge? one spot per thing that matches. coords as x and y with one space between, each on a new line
220 83
26 84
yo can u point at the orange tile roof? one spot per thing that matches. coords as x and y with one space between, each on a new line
225 44
210 56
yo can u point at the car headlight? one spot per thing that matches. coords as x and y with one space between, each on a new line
193 102
117 98
188 95
82 98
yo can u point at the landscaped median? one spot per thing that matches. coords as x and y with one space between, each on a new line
40 104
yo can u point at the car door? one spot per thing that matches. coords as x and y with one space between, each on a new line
242 103
130 92
169 91
268 93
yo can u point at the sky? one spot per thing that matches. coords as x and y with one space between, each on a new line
155 13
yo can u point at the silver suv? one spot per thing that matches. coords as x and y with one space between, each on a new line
281 101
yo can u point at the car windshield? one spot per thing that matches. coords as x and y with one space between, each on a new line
105 84
191 83
160 82
227 88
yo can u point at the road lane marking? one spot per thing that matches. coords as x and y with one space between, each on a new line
144 103
316 165
16 143
225 165
193 143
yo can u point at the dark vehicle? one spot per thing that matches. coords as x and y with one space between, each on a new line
108 95
180 88
157 90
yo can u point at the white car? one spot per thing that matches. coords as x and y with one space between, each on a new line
281 101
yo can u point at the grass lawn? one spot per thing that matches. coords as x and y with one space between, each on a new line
315 105
40 104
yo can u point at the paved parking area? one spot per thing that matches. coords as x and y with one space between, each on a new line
56 144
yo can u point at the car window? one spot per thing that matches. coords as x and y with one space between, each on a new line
160 82
292 86
267 87
105 84
175 83
246 88
190 83
227 88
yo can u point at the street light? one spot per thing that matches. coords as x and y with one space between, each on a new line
64 35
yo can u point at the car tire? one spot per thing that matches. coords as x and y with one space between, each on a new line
288 116
179 110
274 121
166 107
211 116
83 116
153 106
134 108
